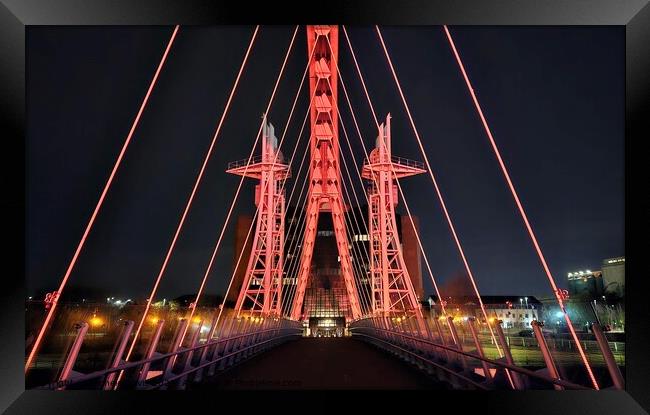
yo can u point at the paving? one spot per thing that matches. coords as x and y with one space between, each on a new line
322 363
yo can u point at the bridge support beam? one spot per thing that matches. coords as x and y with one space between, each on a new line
516 378
187 363
546 353
471 322
612 367
67 372
443 340
458 343
151 350
168 366
208 352
122 342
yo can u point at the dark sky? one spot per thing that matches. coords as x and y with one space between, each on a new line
554 97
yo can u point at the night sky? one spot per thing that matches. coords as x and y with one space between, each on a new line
554 97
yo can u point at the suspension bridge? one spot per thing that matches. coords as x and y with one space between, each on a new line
361 325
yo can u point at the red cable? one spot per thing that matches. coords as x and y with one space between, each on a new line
50 313
188 205
521 209
374 115
438 192
223 229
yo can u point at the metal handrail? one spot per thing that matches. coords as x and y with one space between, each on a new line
206 364
518 369
257 159
244 162
407 162
163 356
446 369
399 160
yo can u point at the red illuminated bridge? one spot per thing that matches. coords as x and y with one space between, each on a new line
323 290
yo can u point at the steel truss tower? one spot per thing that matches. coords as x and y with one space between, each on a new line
262 285
392 289
325 193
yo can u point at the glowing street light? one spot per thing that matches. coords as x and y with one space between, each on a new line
95 321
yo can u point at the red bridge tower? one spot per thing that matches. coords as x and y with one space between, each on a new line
262 286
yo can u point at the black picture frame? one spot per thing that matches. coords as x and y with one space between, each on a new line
15 15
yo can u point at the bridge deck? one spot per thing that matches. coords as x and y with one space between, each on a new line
322 363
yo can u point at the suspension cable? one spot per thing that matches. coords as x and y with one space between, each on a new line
292 247
284 132
372 109
250 228
299 206
354 193
358 250
350 229
240 183
442 304
442 203
354 118
424 254
292 156
280 146
345 134
197 182
520 207
346 192
435 183
292 243
100 202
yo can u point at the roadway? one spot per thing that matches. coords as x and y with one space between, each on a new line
322 363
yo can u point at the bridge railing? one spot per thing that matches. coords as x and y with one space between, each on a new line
236 340
254 160
450 362
374 158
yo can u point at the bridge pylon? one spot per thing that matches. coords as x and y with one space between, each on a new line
325 184
261 289
393 295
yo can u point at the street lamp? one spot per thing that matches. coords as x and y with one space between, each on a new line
521 303
526 298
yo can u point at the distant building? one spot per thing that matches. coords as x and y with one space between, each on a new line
614 276
585 283
412 253
516 312
241 231
516 318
